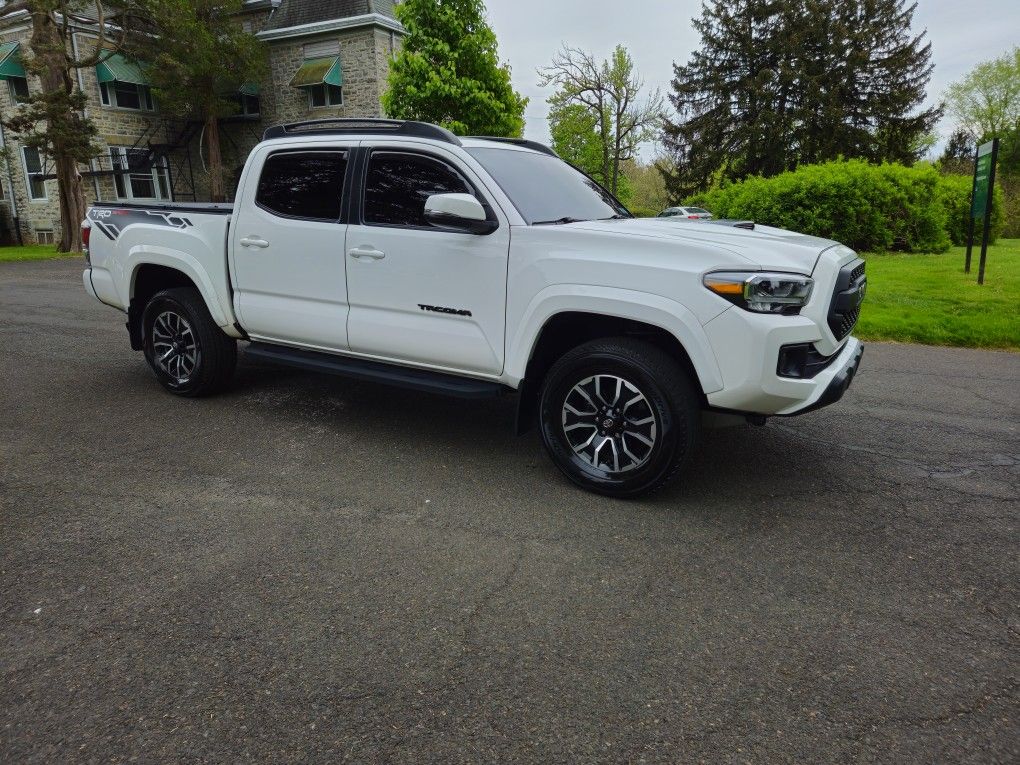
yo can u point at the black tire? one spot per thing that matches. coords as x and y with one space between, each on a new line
667 395
205 369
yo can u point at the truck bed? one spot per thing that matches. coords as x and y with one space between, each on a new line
221 208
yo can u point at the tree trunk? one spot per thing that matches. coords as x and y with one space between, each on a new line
72 204
212 142
48 46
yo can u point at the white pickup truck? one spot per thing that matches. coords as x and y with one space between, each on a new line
400 253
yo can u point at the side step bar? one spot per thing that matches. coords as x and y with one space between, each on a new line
375 371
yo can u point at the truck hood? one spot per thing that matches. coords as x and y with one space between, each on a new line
764 248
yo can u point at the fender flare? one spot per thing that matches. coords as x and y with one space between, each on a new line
152 255
644 307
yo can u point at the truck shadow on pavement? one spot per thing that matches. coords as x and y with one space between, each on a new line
729 465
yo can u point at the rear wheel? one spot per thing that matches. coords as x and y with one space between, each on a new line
188 353
619 416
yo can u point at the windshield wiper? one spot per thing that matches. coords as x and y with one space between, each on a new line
559 221
618 216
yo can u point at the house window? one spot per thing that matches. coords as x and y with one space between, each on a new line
33 173
127 95
19 89
45 236
139 179
320 96
251 106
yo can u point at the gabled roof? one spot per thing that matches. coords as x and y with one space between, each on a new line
295 13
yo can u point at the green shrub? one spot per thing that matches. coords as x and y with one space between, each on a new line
954 194
643 212
872 208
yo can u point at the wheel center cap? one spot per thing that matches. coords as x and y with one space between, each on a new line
608 423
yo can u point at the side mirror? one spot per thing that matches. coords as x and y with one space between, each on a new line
461 212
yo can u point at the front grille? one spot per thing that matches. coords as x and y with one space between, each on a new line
845 308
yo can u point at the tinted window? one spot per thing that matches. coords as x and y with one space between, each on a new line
546 189
398 186
303 184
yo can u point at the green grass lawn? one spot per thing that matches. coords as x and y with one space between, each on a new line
33 252
929 299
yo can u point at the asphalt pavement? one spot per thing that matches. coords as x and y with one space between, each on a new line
310 569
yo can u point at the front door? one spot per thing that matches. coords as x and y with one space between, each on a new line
287 246
421 294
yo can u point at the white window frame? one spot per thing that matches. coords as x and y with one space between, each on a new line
28 174
15 99
159 174
326 91
108 95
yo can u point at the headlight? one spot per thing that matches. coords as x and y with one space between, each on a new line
762 292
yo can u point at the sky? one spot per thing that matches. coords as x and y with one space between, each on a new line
659 32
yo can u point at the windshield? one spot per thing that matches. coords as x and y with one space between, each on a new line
545 189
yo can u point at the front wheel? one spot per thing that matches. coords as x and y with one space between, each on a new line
619 416
188 353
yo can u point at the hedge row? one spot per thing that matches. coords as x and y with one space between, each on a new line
871 208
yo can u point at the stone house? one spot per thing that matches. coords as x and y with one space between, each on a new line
327 58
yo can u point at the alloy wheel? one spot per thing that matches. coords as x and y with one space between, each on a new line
174 346
609 423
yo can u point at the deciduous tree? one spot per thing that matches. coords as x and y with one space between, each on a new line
448 71
610 92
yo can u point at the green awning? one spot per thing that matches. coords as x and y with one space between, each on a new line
249 89
10 61
316 71
117 68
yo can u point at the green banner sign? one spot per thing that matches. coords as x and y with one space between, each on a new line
982 199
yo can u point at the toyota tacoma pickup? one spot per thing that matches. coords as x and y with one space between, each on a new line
399 253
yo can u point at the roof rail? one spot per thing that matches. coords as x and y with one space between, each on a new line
535 145
362 125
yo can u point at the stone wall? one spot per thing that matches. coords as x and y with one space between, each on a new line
37 218
282 103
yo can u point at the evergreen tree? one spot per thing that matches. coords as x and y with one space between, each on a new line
777 83
448 71
958 157
197 59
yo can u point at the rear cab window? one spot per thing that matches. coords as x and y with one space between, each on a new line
303 183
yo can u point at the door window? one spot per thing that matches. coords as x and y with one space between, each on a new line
303 184
398 185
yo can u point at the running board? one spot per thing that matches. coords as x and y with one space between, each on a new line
375 371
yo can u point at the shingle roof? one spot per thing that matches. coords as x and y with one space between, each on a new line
293 13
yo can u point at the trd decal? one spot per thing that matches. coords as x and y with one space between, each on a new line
440 309
112 222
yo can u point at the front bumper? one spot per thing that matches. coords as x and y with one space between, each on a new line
747 348
838 385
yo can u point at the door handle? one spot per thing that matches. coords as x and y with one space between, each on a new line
254 241
366 252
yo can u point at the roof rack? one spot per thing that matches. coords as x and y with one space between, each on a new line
362 125
535 145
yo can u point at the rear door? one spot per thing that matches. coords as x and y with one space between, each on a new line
287 247
418 293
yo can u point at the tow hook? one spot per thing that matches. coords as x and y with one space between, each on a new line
758 420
